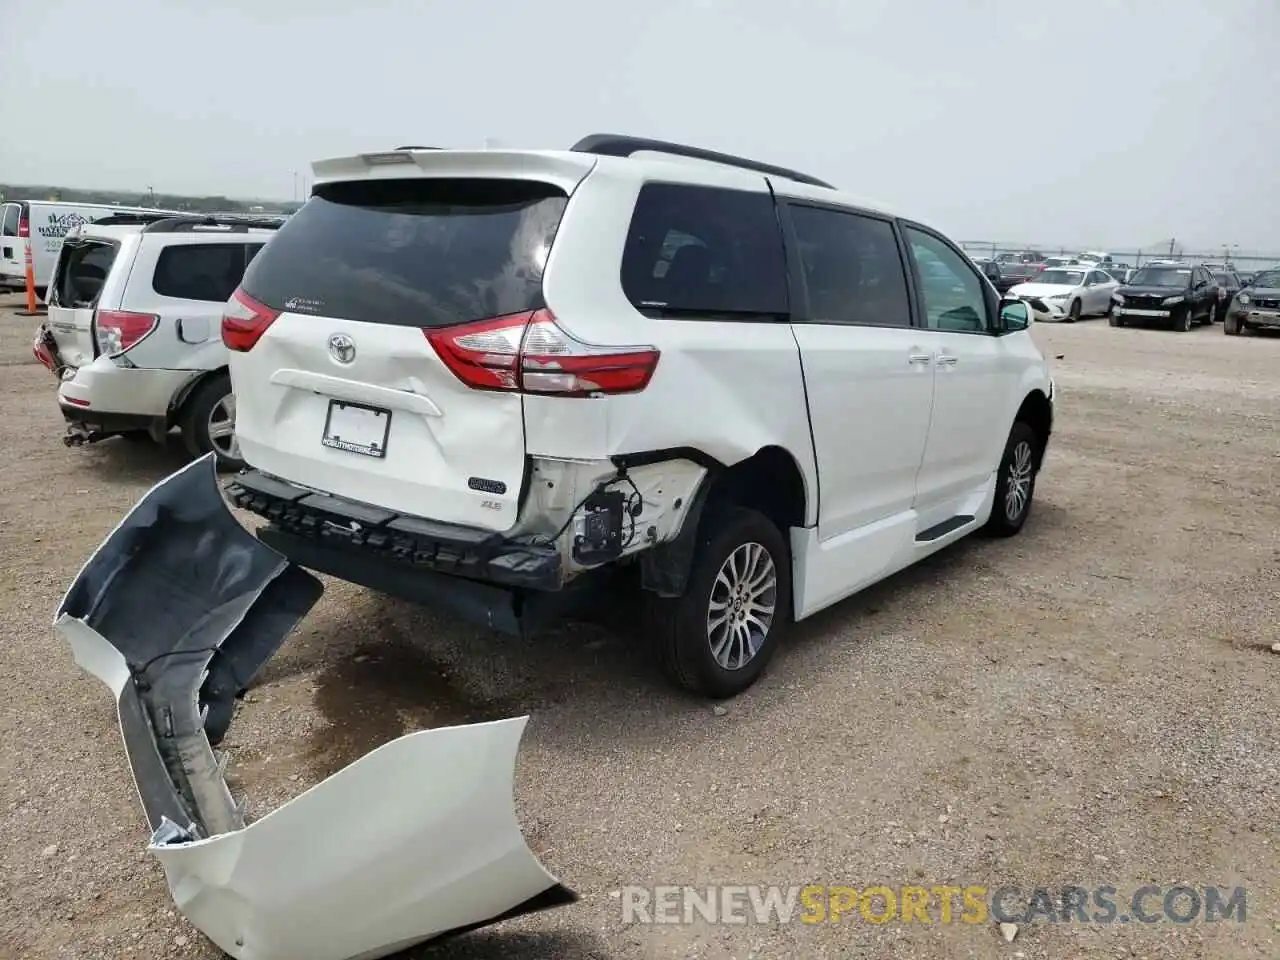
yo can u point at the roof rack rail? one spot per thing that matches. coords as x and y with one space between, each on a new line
131 219
419 148
235 224
619 145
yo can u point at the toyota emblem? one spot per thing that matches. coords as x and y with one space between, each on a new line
342 348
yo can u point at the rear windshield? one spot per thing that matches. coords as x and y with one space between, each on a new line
420 252
82 269
9 225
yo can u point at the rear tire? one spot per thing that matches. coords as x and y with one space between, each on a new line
205 416
1015 482
740 567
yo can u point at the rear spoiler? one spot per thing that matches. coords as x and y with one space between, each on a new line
562 168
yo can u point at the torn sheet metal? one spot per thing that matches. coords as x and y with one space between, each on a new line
176 612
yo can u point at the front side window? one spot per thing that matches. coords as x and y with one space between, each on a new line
704 251
953 295
852 267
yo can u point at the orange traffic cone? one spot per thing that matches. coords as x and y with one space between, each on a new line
33 307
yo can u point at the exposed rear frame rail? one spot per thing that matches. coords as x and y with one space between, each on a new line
619 145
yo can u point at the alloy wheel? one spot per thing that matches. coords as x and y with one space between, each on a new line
743 604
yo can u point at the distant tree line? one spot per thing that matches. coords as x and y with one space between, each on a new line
130 198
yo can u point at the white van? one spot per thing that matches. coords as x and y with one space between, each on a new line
44 224
13 274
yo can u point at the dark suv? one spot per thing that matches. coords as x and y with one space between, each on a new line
1177 296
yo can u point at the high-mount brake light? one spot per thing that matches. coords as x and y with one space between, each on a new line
529 353
244 321
118 330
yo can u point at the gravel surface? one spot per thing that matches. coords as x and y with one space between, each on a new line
1093 702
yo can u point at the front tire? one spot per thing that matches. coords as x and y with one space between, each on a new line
209 421
1230 326
1074 313
1182 322
1015 482
717 639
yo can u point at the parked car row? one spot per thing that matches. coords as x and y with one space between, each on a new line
1172 293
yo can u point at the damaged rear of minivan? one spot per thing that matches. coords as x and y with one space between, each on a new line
417 415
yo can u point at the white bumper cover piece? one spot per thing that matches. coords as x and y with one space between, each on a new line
176 612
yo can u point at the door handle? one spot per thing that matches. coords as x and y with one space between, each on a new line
946 360
919 358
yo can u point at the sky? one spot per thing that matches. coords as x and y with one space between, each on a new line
1100 124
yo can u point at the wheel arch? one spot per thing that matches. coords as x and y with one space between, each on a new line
1036 412
179 402
769 481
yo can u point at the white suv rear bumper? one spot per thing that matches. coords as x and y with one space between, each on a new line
103 387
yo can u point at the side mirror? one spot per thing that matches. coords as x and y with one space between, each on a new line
1013 315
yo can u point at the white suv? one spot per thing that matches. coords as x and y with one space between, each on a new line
132 333
479 379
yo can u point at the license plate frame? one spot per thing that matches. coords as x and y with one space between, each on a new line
1141 312
372 436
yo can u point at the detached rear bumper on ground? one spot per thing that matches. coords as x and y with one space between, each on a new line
176 612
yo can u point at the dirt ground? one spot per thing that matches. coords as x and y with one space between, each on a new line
1091 703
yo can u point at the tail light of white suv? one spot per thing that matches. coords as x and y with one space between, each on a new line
530 353
119 330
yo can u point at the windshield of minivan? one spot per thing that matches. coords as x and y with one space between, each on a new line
422 252
1160 277
1065 278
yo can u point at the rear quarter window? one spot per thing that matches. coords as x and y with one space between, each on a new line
208 272
706 251
423 252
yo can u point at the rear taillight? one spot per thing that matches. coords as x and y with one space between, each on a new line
529 353
24 227
118 330
244 321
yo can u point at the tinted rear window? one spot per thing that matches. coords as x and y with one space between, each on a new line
82 270
208 272
704 251
420 252
12 214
